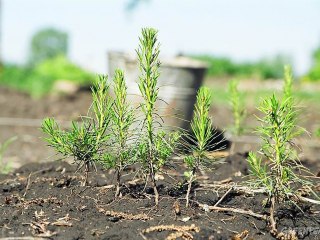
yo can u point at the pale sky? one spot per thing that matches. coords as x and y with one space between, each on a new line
240 29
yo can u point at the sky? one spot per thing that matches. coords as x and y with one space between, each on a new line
244 30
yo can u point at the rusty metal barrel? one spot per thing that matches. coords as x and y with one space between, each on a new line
179 80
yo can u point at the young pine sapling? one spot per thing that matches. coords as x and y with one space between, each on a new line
237 106
202 130
278 130
5 167
84 140
317 133
155 146
122 117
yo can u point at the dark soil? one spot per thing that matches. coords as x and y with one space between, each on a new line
46 200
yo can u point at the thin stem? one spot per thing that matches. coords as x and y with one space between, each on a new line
235 210
273 224
148 53
118 174
190 180
154 184
86 174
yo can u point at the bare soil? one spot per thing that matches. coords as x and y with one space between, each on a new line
46 200
21 116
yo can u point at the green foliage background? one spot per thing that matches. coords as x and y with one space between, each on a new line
48 63
314 72
47 44
264 69
39 80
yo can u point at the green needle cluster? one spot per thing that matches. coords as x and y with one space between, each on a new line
278 130
238 110
5 167
202 130
86 139
122 117
155 145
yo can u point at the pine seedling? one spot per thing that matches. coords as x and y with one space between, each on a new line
238 109
101 106
317 133
288 82
278 130
155 146
122 118
84 140
5 167
202 130
148 53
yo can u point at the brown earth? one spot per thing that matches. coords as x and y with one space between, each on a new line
21 117
46 200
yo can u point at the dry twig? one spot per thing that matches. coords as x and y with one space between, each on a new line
64 221
127 216
172 227
23 238
29 177
241 236
177 235
224 195
235 210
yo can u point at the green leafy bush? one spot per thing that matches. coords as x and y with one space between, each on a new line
25 79
47 64
40 80
60 68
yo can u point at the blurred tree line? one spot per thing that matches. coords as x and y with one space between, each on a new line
269 68
132 4
314 72
48 44
48 62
